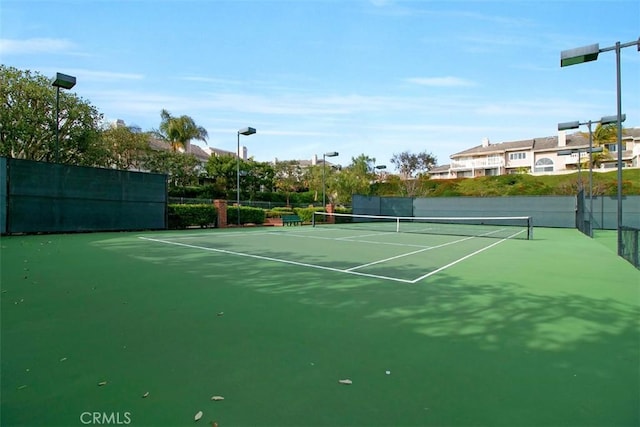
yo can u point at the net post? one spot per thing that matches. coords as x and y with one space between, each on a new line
529 228
397 224
313 219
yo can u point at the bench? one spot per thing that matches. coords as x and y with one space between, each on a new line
291 220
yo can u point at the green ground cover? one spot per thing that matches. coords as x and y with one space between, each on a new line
526 333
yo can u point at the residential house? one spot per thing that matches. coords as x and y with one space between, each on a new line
539 156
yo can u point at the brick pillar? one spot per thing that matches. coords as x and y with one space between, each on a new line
330 209
221 207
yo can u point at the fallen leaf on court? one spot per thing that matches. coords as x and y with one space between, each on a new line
198 416
101 383
221 313
145 395
63 359
22 387
217 398
346 382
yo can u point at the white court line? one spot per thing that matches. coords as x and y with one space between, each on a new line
350 270
424 276
408 253
302 264
353 239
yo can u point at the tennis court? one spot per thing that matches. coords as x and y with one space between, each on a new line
431 329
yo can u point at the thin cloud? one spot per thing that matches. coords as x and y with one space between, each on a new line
104 75
37 46
441 81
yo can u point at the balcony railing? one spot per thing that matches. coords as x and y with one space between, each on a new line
483 163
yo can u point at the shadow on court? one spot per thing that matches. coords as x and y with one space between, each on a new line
464 347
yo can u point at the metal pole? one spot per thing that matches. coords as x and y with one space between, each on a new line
590 180
580 187
324 203
619 101
57 153
238 179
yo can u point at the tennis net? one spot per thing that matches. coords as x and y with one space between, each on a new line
517 227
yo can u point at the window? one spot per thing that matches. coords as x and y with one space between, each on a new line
613 148
544 165
517 156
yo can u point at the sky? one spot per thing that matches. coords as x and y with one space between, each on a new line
373 77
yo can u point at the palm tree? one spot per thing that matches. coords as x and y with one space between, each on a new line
602 135
179 131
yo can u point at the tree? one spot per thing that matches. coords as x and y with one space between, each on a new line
222 171
28 122
288 177
602 135
408 163
256 177
179 131
354 179
182 169
129 150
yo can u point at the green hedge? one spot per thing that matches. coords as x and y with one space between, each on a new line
248 215
306 214
277 212
183 216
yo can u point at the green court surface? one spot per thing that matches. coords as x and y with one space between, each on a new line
431 330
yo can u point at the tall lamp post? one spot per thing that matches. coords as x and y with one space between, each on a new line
245 131
63 81
575 125
324 156
380 168
590 53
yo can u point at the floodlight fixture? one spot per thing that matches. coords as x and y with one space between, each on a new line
607 120
579 55
243 131
63 81
331 154
247 131
568 125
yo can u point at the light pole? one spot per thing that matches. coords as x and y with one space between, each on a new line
325 155
590 53
244 131
380 167
63 81
575 125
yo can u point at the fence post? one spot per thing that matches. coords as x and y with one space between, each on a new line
221 207
329 208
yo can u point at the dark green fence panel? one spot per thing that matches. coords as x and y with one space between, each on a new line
605 212
630 250
546 211
396 206
365 205
46 197
3 195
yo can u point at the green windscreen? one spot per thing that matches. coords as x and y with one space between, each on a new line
46 197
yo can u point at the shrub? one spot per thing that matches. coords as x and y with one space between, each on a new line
183 216
277 212
305 214
248 215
